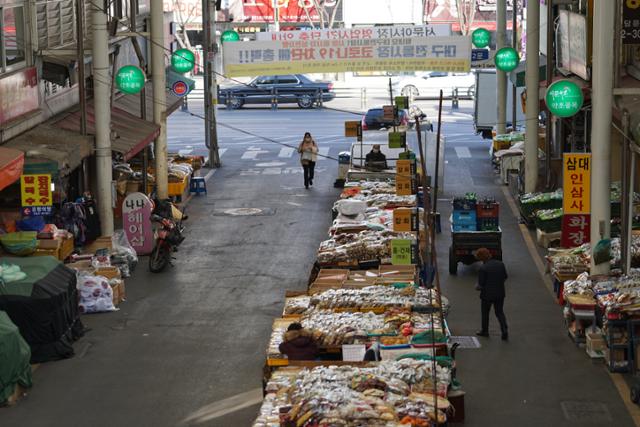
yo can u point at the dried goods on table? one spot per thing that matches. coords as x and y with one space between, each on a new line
380 395
378 297
363 246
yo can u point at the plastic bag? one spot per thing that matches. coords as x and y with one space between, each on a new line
96 295
602 251
351 207
122 249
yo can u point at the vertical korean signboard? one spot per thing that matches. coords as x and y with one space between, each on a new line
36 195
576 199
136 213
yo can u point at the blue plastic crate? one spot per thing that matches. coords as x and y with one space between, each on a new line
465 217
459 227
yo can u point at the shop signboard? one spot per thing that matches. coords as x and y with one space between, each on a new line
564 98
353 129
136 217
572 34
18 94
405 184
183 61
576 230
259 11
388 113
403 252
402 102
397 139
180 88
36 195
359 33
481 38
577 183
405 219
630 31
392 54
507 59
130 79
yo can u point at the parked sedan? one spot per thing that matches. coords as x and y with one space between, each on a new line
430 83
289 89
374 120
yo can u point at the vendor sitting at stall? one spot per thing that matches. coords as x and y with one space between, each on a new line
298 344
375 159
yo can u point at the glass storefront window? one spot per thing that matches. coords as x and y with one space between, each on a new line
12 48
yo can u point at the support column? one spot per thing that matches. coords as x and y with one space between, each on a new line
532 78
159 98
501 76
602 101
101 99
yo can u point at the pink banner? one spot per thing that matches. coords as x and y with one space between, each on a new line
136 215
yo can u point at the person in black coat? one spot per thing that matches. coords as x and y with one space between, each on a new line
298 344
491 278
375 158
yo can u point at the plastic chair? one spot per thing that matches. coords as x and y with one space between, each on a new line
198 185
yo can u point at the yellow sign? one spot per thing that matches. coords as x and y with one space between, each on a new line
352 128
577 183
36 190
390 53
404 177
403 219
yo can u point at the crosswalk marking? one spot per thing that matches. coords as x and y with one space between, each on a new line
323 153
252 153
463 152
286 152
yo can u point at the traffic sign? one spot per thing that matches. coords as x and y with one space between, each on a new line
479 55
180 88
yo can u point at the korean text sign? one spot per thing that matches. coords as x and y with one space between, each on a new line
367 54
404 219
576 230
577 184
36 194
405 184
136 217
437 30
403 252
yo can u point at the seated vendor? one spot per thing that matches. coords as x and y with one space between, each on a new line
375 159
298 343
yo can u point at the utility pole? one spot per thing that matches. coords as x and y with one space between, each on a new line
532 78
514 43
501 76
158 78
210 50
101 99
82 95
276 16
602 101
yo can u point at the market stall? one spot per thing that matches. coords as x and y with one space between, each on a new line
39 295
15 369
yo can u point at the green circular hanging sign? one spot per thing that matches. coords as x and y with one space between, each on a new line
481 38
507 59
230 36
564 98
183 60
130 79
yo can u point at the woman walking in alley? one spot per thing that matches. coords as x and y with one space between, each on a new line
491 277
308 150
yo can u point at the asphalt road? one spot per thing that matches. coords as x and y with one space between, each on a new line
188 340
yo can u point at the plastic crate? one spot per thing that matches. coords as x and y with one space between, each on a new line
465 227
488 210
460 204
488 224
464 217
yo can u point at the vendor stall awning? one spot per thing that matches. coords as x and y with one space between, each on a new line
129 134
11 163
131 103
47 143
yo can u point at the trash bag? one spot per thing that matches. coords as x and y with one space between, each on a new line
122 252
602 252
429 337
31 223
96 295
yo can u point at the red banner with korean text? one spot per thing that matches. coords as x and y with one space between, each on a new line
576 201
576 230
289 10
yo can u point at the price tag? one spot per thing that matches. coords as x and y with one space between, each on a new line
388 113
403 252
402 102
397 139
404 219
406 167
353 129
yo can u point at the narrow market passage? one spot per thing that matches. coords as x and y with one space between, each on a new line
539 377
196 333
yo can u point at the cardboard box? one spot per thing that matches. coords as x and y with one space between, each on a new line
81 266
595 342
108 272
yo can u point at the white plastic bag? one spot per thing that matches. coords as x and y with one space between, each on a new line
352 207
96 295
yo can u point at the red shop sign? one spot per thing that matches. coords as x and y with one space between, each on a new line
576 230
18 94
290 10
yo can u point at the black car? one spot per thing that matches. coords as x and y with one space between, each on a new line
289 89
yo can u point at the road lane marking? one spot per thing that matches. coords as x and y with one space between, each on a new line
223 407
617 379
286 152
252 153
463 152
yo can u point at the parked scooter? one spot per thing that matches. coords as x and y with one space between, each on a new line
168 234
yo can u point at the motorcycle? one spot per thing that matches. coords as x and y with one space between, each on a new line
168 235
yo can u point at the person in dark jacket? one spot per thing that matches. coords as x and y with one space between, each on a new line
375 158
298 344
491 278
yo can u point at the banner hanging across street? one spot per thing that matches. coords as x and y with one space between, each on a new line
437 30
366 53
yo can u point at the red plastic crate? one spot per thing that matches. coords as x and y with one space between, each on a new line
488 211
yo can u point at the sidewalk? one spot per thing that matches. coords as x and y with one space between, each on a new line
539 377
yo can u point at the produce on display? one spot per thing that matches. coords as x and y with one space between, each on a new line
388 394
363 246
549 220
380 297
